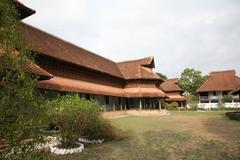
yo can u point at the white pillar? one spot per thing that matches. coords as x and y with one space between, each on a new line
159 105
121 107
140 103
125 105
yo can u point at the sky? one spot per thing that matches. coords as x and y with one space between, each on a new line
199 34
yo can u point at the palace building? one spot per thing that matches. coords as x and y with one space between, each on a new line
72 69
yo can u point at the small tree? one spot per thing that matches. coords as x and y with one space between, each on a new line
76 117
191 79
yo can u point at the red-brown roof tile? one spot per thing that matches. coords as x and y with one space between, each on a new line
220 81
176 98
140 92
170 85
46 44
79 86
32 68
138 69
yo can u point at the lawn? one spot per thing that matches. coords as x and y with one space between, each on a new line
182 135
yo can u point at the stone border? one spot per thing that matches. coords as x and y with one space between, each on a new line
99 141
52 143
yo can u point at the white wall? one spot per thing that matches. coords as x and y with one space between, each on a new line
216 105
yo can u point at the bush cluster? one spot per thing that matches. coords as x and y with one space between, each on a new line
77 117
233 115
172 106
227 98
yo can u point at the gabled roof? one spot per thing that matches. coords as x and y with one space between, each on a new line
23 10
138 69
220 81
46 44
171 85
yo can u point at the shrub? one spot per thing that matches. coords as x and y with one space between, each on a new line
227 98
172 106
76 117
233 115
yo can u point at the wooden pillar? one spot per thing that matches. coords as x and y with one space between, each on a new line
125 106
160 105
114 104
121 107
140 103
150 104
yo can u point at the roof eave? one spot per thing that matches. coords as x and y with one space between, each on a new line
23 10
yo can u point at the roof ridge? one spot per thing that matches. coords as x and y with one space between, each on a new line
171 79
134 60
225 71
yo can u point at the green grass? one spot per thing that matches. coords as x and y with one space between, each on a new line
182 135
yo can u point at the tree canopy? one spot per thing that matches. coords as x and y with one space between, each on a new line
164 77
191 79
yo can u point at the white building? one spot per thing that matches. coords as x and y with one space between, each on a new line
218 89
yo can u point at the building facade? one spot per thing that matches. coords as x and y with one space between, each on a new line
115 85
174 92
218 89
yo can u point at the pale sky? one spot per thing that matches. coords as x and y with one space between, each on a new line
202 34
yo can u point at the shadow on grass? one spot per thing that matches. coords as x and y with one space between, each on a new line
169 144
223 127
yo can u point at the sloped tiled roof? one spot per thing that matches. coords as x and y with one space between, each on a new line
220 81
138 69
46 44
236 90
32 68
176 98
73 85
140 92
170 85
